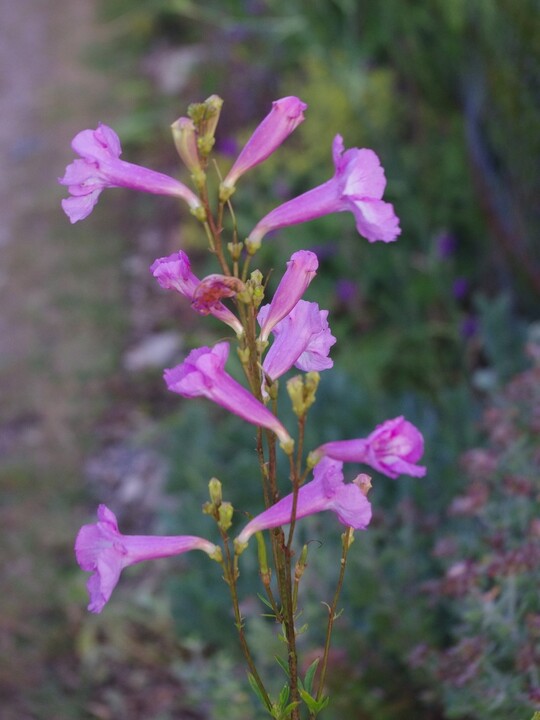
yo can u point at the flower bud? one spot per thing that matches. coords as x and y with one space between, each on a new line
185 140
225 512
214 488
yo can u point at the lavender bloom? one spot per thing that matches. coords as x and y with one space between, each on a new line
393 448
302 338
285 116
212 288
203 373
301 269
174 273
100 166
357 186
102 550
327 491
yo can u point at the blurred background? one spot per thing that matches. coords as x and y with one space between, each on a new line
442 612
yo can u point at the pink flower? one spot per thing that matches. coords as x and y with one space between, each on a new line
302 338
100 167
393 448
301 269
327 491
102 550
285 116
357 186
202 374
174 273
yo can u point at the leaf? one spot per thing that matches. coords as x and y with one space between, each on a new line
283 665
256 689
283 696
265 601
310 675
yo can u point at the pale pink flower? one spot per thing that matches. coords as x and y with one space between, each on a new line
357 186
303 338
301 269
327 491
174 273
283 119
203 374
100 167
393 448
102 550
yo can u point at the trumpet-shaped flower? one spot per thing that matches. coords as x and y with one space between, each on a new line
285 116
393 448
102 550
301 269
174 273
212 288
327 491
99 167
302 338
357 186
203 374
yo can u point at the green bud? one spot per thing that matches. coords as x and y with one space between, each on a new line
256 277
243 354
311 383
213 106
261 552
295 388
225 512
214 488
272 389
235 249
196 111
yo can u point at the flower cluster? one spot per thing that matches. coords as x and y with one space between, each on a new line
273 337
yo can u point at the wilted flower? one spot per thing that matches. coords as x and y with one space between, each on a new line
174 273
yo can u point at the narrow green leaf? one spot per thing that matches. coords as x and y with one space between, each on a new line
256 689
284 696
283 665
265 601
310 675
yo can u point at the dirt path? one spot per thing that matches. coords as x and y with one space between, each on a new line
60 331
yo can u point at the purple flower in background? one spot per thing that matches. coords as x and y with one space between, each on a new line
301 269
346 290
357 186
468 327
174 273
102 550
285 116
446 245
327 491
203 374
460 288
303 338
99 167
393 448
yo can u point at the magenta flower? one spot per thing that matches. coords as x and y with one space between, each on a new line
100 167
327 491
302 338
393 448
357 186
285 116
301 269
102 550
203 373
174 273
